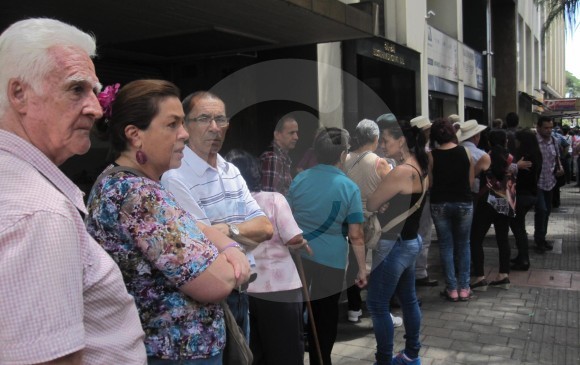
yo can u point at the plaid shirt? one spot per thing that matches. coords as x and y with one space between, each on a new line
547 180
276 170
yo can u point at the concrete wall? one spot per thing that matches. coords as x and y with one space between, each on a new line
504 38
330 86
446 19
554 73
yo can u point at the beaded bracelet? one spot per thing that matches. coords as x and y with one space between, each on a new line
233 244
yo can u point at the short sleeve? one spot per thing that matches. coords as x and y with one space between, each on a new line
183 196
285 224
41 289
355 209
166 234
253 210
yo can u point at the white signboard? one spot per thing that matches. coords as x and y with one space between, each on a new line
441 54
473 68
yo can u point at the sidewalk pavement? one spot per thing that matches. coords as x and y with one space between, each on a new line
536 321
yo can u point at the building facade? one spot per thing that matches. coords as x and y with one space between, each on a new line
330 62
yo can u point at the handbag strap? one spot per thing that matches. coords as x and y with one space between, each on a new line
401 217
362 155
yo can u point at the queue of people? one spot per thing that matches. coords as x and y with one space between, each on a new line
173 233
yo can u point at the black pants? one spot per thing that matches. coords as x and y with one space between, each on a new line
325 287
352 291
542 214
483 216
276 327
578 171
518 224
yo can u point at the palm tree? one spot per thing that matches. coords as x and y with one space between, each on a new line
567 9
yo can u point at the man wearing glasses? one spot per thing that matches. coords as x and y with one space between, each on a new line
213 190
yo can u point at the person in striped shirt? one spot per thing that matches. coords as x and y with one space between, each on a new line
213 190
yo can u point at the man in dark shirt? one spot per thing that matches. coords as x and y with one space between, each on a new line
275 161
546 182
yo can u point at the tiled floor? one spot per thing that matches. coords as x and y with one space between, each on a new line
535 322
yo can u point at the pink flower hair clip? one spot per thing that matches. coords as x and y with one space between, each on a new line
106 99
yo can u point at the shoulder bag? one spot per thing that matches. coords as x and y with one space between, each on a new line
372 226
237 351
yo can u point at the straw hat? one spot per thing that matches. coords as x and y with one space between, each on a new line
469 129
421 122
454 118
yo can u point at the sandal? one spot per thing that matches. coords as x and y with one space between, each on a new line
465 294
450 295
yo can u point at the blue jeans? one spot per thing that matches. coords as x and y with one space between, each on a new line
453 225
214 360
239 304
394 273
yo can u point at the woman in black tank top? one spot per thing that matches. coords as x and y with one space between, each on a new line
451 207
394 259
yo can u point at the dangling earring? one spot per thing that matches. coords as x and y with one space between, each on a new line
402 158
141 157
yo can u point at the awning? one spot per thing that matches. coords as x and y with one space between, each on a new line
175 30
552 93
531 99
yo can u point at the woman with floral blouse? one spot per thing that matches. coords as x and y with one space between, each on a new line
176 273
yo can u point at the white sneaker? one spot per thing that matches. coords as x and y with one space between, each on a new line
397 321
353 315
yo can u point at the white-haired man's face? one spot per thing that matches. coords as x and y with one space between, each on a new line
58 117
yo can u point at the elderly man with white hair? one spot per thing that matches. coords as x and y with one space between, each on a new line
63 298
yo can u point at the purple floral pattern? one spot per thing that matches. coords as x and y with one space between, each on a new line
158 247
106 98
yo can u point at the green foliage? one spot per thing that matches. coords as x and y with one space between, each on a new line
572 85
566 9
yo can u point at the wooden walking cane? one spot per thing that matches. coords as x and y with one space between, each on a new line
298 261
249 242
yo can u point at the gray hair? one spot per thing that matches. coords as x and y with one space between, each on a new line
25 51
366 132
329 144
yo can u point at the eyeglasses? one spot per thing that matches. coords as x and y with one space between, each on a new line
204 119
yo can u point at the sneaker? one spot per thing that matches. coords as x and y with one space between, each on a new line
402 359
397 321
353 315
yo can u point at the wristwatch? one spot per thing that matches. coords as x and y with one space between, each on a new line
234 230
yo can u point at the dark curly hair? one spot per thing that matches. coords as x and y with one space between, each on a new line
442 131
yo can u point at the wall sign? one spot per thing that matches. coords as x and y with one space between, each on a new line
441 54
